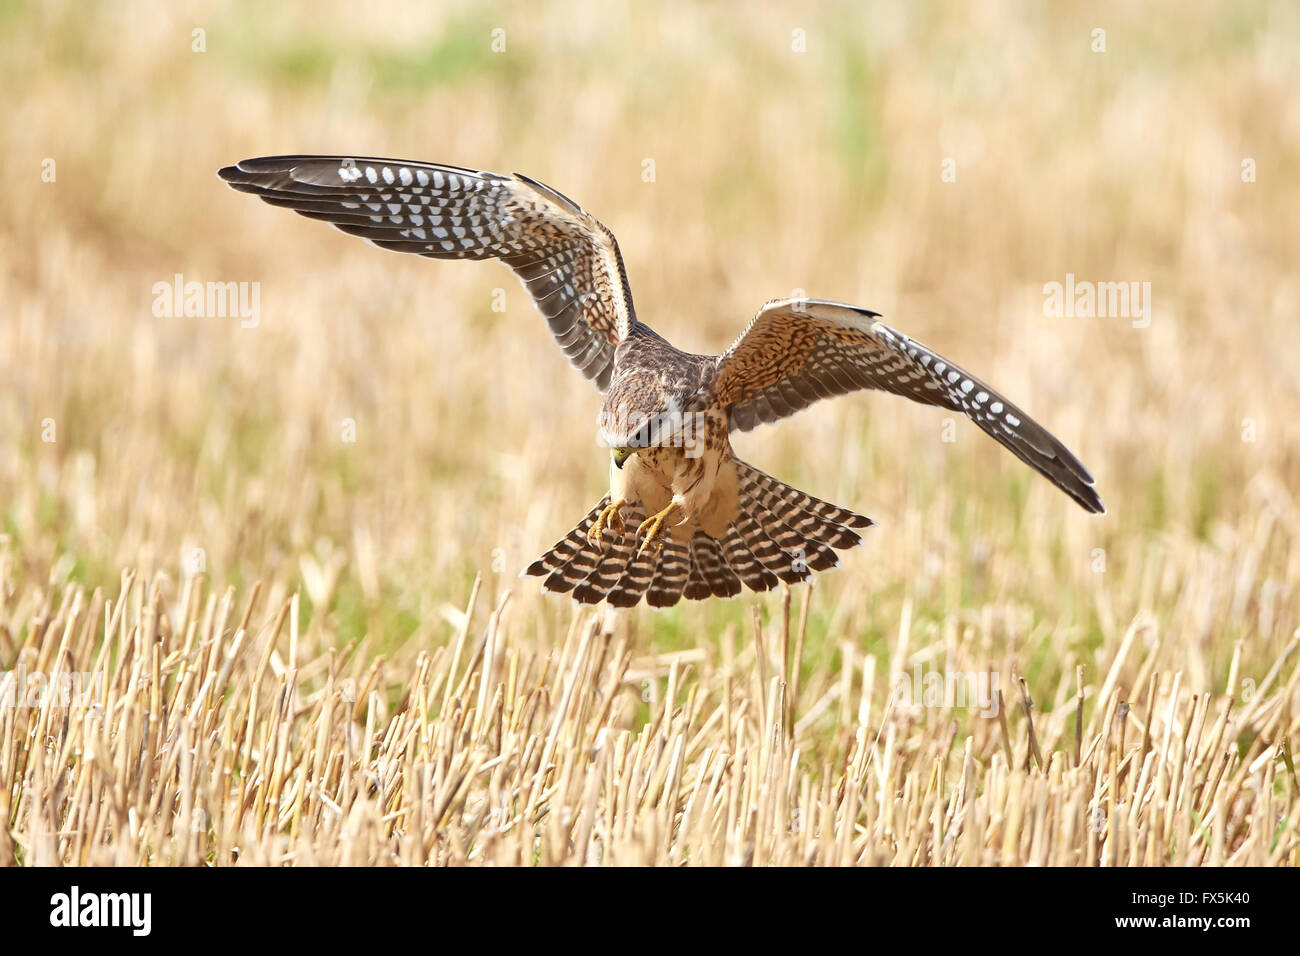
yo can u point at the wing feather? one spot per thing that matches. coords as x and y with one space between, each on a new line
565 258
796 351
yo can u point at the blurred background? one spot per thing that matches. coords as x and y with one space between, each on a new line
939 163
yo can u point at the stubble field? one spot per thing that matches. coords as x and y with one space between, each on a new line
280 551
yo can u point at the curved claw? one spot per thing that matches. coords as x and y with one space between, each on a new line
610 518
654 529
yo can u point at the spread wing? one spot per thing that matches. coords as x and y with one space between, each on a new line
797 351
568 262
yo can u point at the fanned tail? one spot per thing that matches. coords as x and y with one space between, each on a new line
779 534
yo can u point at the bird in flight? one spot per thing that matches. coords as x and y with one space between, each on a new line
684 517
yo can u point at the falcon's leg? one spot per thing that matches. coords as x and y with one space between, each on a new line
610 517
655 528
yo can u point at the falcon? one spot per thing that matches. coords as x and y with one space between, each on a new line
684 517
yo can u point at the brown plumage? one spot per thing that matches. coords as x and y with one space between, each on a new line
706 524
779 534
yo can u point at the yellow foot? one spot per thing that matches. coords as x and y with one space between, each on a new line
610 517
654 529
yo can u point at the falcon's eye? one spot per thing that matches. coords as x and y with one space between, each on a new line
621 455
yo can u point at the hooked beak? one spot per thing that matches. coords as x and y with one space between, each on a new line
621 456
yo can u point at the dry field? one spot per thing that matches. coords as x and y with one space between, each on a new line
280 555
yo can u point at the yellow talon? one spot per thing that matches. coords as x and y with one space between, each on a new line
655 529
609 517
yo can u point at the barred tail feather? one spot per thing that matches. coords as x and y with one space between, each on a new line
671 575
819 520
557 563
779 534
614 559
634 582
711 575
747 567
